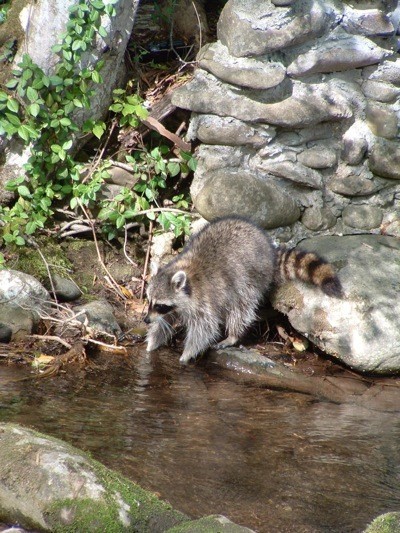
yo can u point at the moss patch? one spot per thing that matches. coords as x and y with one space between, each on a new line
386 523
125 507
27 259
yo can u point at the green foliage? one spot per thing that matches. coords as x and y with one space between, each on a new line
39 110
3 11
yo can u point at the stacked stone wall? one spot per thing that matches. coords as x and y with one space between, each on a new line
297 107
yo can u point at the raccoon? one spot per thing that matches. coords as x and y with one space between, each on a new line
218 282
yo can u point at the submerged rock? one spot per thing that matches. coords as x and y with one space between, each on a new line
363 328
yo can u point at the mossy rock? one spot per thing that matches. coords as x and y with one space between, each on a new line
386 523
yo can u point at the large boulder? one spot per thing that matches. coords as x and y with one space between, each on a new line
363 328
23 300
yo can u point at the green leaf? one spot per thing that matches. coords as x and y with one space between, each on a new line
23 133
32 94
98 130
24 191
173 168
13 119
19 241
11 84
96 77
13 105
33 109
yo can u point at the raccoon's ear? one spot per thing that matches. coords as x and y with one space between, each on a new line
178 280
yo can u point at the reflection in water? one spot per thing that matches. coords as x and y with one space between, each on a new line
268 460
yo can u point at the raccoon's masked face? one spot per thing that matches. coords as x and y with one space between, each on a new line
166 293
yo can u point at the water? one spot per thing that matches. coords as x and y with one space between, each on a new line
273 461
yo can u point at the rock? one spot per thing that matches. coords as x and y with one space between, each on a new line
161 249
246 72
362 216
362 329
318 218
388 71
211 129
293 171
308 104
226 192
318 156
336 52
121 176
371 22
256 28
380 91
66 290
20 322
355 144
100 316
385 523
355 181
382 120
5 332
384 158
210 524
51 486
23 298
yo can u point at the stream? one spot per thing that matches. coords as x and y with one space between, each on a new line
208 443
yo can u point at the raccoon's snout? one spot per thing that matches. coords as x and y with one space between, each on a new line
147 319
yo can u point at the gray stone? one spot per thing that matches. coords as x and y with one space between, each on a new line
99 316
66 290
21 290
318 218
336 52
372 22
211 129
362 217
355 144
388 71
384 158
382 120
121 176
293 171
380 91
254 28
361 329
246 72
226 192
210 524
20 322
5 332
317 157
309 104
355 181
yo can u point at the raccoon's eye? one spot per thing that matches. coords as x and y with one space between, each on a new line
163 309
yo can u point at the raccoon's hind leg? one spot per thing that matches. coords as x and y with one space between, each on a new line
160 333
238 321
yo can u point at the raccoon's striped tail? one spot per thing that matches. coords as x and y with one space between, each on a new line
307 266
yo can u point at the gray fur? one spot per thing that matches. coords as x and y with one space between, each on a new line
215 284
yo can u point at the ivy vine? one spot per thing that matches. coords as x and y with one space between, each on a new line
39 110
